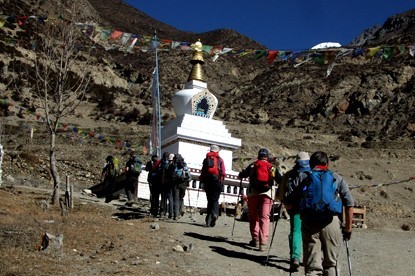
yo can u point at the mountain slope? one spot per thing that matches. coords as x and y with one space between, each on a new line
368 98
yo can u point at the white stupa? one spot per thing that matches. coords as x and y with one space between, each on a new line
194 130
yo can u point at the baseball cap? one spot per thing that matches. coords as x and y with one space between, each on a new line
171 156
263 153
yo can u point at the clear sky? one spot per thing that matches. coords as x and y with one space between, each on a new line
282 25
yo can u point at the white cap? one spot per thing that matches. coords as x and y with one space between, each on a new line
171 156
214 148
302 155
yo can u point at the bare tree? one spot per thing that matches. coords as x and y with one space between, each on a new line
59 75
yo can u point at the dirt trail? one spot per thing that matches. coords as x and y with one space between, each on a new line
216 252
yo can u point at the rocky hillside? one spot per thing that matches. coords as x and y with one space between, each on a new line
368 98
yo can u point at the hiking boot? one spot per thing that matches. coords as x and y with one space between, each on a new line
295 264
254 243
262 247
213 221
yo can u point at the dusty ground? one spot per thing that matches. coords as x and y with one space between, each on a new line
108 239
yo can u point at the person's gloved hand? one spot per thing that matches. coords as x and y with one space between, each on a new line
346 235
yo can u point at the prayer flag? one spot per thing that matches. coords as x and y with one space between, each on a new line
387 53
155 145
115 35
272 54
371 52
155 142
2 21
21 20
260 53
412 50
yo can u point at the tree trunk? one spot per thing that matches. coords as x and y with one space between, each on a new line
1 161
54 169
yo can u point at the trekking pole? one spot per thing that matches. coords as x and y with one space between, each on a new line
275 227
224 202
190 207
237 202
346 242
197 201
291 248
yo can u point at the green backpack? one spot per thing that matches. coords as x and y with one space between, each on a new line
112 163
135 167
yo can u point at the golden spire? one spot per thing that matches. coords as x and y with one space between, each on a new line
197 61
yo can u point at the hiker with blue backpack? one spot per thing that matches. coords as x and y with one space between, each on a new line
133 171
302 164
261 192
180 181
321 195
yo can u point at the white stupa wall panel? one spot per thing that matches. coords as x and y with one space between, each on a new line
210 138
194 154
195 196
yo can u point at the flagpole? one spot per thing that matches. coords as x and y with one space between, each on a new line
157 135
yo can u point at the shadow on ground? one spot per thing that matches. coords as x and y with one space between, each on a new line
273 261
130 213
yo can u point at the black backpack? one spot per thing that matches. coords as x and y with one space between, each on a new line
180 173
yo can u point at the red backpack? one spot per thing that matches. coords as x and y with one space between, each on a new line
211 163
261 176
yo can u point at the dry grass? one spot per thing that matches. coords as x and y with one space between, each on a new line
94 242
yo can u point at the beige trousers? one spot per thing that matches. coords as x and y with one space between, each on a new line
321 247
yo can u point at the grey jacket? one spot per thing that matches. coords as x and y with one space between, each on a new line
294 191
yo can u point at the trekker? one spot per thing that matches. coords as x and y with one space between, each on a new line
180 181
302 164
165 174
133 170
151 166
321 225
260 194
108 176
156 185
212 176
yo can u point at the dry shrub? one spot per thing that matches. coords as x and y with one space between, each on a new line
30 158
93 242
